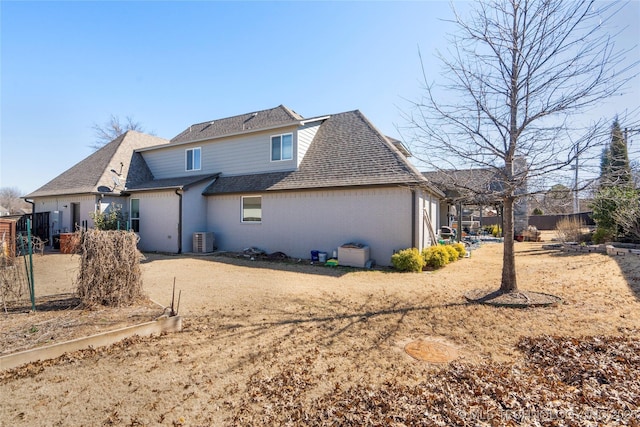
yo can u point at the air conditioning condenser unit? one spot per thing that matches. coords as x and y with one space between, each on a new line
204 241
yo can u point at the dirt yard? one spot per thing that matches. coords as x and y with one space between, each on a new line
267 343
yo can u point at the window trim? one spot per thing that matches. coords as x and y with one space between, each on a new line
281 138
242 220
186 159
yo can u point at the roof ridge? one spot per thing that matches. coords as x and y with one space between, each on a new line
288 111
120 139
395 150
294 115
130 133
93 172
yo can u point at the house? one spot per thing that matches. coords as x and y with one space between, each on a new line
67 202
270 179
470 192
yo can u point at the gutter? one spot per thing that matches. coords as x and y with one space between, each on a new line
128 193
313 119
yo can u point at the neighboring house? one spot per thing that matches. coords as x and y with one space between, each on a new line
67 202
273 180
473 190
4 211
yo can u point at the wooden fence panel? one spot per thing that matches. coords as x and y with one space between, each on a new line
8 237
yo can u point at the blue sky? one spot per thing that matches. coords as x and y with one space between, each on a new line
68 65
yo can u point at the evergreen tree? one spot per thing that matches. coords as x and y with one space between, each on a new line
617 194
605 167
615 169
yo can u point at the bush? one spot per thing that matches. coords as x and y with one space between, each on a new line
602 235
436 256
569 229
408 260
460 248
452 252
610 200
112 218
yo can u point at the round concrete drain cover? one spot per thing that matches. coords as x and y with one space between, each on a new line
431 351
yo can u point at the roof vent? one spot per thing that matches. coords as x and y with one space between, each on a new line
249 118
207 126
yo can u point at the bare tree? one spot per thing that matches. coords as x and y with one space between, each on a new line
517 75
112 129
10 199
558 200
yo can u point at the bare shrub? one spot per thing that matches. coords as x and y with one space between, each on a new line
109 268
628 219
13 277
13 280
570 229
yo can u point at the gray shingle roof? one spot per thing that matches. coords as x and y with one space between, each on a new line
400 146
347 151
470 185
264 119
183 182
93 174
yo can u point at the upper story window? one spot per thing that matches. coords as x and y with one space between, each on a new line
282 147
192 159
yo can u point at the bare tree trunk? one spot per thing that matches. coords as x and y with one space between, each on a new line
509 282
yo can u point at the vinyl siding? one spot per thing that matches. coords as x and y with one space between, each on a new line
305 137
62 222
244 154
158 221
194 214
298 222
427 205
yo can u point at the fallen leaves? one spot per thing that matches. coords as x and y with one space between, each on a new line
563 381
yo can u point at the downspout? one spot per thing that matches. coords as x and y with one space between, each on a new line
33 213
459 235
179 193
413 218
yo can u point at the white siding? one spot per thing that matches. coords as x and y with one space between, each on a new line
305 137
243 154
194 214
298 222
427 216
158 221
62 221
